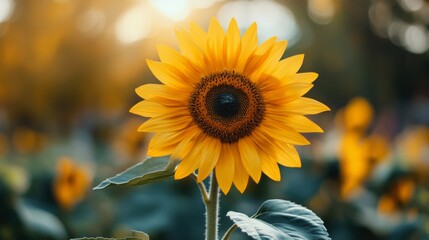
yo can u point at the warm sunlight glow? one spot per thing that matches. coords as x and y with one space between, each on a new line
321 11
6 9
272 18
174 10
91 22
134 24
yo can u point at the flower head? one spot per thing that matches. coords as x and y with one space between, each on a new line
71 183
227 104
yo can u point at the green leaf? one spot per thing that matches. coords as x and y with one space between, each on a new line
136 235
149 171
39 222
281 219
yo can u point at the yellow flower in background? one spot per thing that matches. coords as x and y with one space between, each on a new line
358 114
71 183
229 104
386 204
376 148
359 154
399 195
358 157
413 145
353 163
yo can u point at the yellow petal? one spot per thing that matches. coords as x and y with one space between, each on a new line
249 42
165 124
241 176
258 56
169 75
190 162
270 62
160 151
214 43
269 166
225 168
307 77
306 106
170 56
208 157
186 144
301 124
188 48
250 157
166 138
151 109
231 45
286 93
287 155
283 133
268 152
163 94
148 91
300 106
199 36
289 66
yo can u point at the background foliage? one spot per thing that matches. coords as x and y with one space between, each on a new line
68 70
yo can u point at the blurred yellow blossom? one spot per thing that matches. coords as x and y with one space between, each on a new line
376 148
398 196
129 143
353 163
358 114
414 144
413 147
386 204
71 183
358 153
405 188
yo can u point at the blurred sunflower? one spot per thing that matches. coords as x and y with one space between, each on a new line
71 183
228 104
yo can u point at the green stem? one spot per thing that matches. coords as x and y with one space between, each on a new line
212 206
229 232
202 188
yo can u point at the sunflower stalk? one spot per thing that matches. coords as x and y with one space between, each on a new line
202 188
212 206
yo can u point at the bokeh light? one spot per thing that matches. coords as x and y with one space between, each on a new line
415 39
68 74
91 22
175 10
411 5
272 18
321 11
6 9
135 24
404 24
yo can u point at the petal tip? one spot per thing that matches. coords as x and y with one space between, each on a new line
179 175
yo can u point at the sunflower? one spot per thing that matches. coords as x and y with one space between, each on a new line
227 104
71 183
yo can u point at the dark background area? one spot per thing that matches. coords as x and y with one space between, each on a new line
68 70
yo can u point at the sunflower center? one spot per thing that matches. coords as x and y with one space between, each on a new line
227 106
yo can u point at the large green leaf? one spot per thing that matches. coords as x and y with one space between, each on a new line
135 235
280 219
149 171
